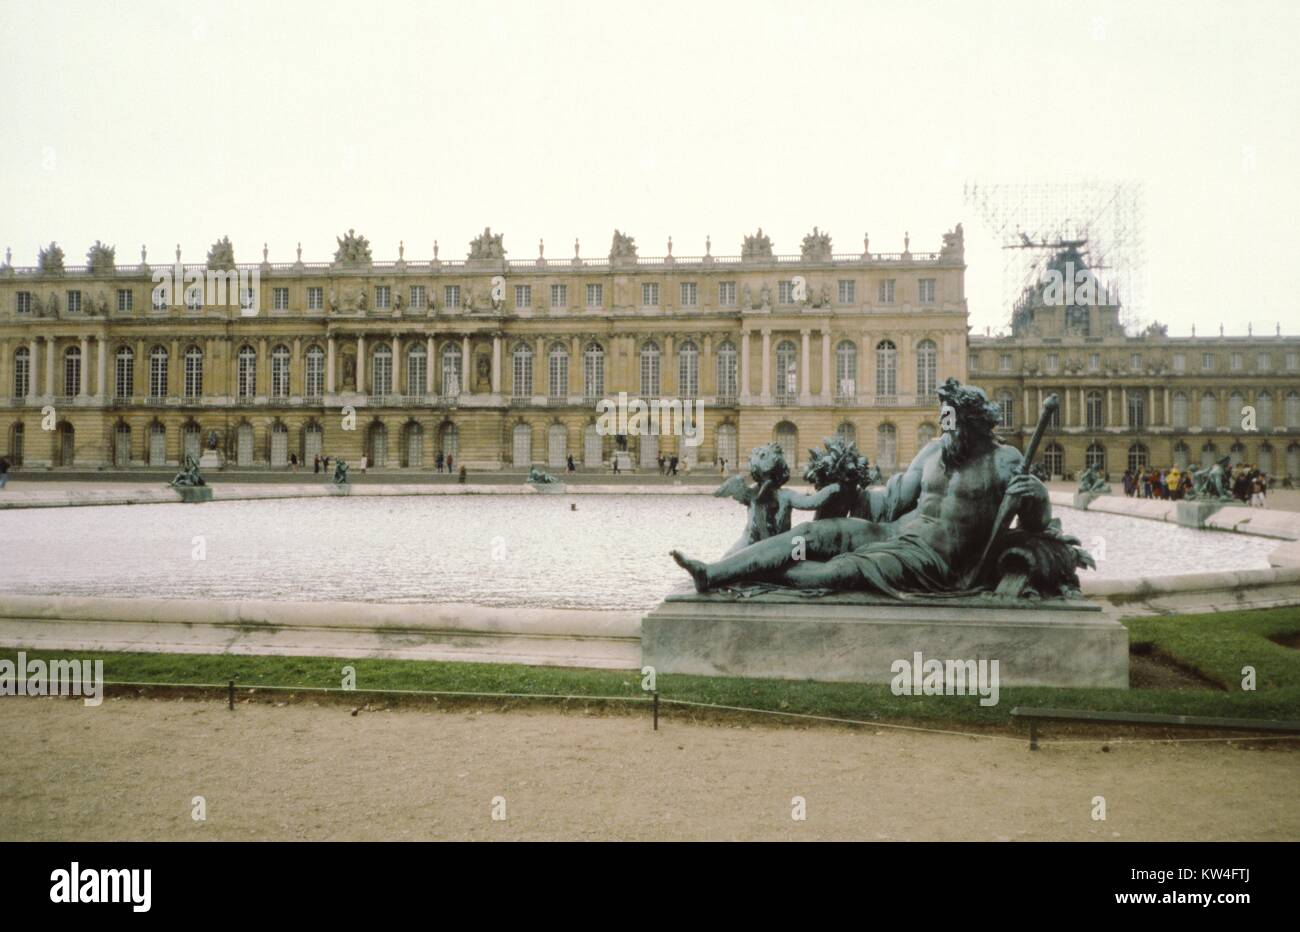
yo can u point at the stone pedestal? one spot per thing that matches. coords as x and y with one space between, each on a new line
195 493
1083 499
1195 513
857 638
210 459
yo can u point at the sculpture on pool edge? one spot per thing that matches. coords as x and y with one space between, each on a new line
340 476
188 477
769 506
1091 480
537 477
1211 485
939 528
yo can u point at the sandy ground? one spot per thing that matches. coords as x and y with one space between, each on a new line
130 769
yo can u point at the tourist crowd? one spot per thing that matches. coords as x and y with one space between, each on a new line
1246 483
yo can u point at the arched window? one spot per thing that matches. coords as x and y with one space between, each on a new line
1237 454
523 373
158 372
1095 403
315 372
1137 458
1209 455
1264 460
1182 455
22 372
381 372
1007 407
593 446
1136 399
312 442
847 432
522 446
244 445
557 446
280 372
16 444
414 444
846 371
191 441
593 372
886 369
279 443
247 372
688 370
449 441
1236 402
417 373
72 371
1209 411
193 372
1095 456
451 360
124 374
1180 410
1293 460
122 444
650 369
557 372
787 435
787 372
927 370
887 447
1054 459
1264 411
378 446
728 384
728 445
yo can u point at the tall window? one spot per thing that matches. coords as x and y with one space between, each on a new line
280 371
650 369
158 372
785 292
417 296
886 291
595 295
1095 405
925 290
593 371
690 294
381 372
1179 414
557 372
688 370
1264 411
383 296
72 371
22 372
847 291
279 299
887 447
1095 456
727 383
559 296
1209 411
1182 455
315 298
417 369
523 371
1137 407
451 360
650 294
193 372
451 296
886 369
1236 402
24 302
1054 459
124 377
315 372
927 369
125 299
846 370
1007 406
1291 410
1137 458
726 294
523 296
787 371
246 378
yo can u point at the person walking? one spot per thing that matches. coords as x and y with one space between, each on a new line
449 465
4 472
364 463
572 468
438 461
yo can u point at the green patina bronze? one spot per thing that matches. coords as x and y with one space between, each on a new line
188 477
340 476
940 528
538 477
1091 480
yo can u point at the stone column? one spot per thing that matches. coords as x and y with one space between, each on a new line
767 366
708 371
828 392
33 357
101 364
1083 407
297 371
1123 407
744 365
397 366
175 371
361 363
1109 417
85 368
668 377
49 366
467 383
429 365
263 368
575 366
805 363
1065 418
496 363
329 364
1027 419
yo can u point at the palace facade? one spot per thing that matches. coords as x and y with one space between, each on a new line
497 362
1150 400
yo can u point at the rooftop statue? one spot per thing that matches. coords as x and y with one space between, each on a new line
769 506
622 247
221 255
1092 480
50 260
816 246
353 249
101 259
758 246
189 476
940 528
487 245
954 244
538 477
340 476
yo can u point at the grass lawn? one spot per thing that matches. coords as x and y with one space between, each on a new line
1217 646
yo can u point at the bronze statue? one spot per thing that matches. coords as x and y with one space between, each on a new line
1211 484
1092 480
938 528
189 476
538 477
769 506
340 476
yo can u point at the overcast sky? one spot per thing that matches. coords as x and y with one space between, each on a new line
283 122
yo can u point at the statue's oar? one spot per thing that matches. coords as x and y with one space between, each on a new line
1003 520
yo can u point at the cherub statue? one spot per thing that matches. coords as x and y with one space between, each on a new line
769 505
